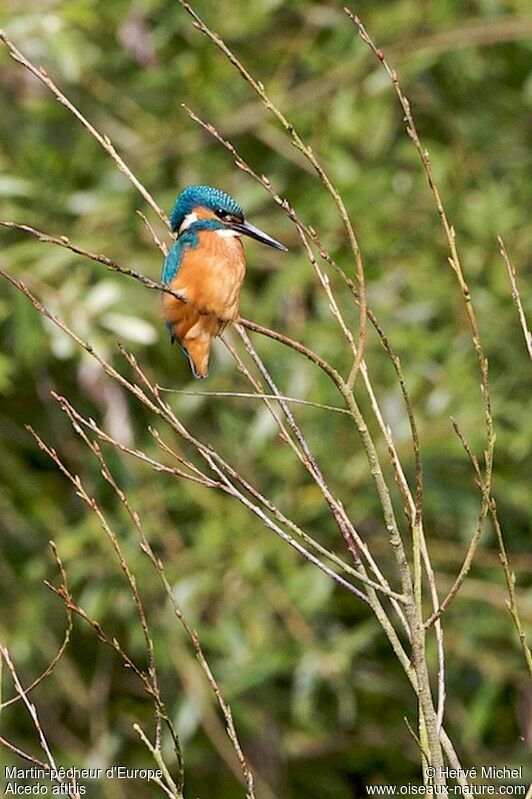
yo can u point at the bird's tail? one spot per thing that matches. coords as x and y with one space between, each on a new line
198 351
193 332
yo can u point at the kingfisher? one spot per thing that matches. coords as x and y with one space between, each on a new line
206 266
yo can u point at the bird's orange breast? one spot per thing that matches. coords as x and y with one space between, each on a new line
211 275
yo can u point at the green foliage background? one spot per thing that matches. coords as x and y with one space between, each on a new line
316 693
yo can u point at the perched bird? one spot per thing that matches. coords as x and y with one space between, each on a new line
206 266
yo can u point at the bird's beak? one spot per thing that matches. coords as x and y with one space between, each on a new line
253 232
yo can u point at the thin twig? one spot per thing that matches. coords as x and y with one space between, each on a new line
94 447
516 296
510 582
42 75
24 755
113 643
30 706
66 638
155 238
173 790
473 544
244 395
509 575
113 266
295 345
222 469
346 389
4 652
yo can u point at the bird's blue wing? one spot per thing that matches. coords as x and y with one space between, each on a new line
187 239
172 263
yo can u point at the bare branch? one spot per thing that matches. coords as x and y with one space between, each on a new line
41 74
113 266
172 790
516 296
473 544
51 666
24 755
244 395
489 502
155 238
51 764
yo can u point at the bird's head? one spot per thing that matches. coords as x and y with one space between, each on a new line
197 203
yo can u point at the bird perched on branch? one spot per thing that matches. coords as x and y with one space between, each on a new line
206 267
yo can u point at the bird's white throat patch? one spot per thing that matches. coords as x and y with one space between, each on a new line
227 233
188 221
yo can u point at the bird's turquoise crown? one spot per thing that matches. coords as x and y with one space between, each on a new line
206 197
